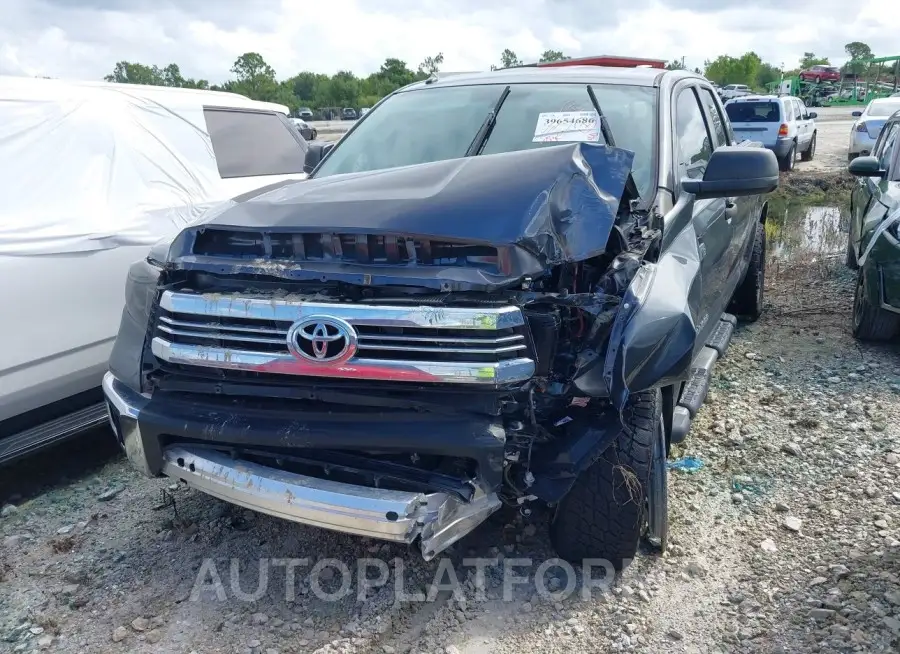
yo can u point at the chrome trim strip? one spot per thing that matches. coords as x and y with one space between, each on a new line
217 325
436 317
496 373
446 350
443 339
219 336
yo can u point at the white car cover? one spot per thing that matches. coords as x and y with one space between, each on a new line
87 167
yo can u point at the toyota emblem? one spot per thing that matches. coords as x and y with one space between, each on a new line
322 339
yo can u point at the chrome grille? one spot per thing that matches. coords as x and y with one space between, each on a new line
397 343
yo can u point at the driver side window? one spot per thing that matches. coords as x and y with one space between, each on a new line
692 141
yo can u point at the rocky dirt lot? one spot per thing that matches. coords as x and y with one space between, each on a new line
787 539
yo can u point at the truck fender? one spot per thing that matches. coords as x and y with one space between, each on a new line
654 333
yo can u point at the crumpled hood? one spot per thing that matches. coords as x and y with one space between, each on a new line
558 203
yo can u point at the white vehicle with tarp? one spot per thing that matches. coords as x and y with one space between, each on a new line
91 176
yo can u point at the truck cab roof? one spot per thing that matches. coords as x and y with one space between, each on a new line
650 77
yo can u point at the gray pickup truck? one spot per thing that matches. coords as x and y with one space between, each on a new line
500 288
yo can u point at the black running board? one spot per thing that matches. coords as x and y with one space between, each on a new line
695 390
50 433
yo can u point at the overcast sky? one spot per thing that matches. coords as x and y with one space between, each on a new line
85 38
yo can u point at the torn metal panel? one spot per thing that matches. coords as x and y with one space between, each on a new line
654 335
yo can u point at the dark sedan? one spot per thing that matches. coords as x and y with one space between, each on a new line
306 130
873 246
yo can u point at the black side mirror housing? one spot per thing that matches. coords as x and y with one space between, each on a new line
856 114
866 167
813 114
316 152
735 170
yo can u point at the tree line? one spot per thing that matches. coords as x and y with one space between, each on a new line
255 78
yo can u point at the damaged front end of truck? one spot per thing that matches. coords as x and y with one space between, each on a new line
398 353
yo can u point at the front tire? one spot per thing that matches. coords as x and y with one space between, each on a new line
810 151
871 323
748 298
604 514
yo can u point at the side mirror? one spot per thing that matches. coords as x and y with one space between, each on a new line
856 114
316 152
813 114
735 170
866 167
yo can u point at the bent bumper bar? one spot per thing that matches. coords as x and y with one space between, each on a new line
437 518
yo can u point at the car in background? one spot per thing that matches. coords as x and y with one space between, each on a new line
363 111
101 173
305 113
868 126
730 91
822 73
306 130
348 114
873 243
781 123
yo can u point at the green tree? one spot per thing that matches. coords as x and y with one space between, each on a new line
809 59
675 64
255 78
552 55
126 72
431 65
858 53
508 59
767 74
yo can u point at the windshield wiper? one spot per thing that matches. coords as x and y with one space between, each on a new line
481 136
604 125
630 185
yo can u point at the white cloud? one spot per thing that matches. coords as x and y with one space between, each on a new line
85 38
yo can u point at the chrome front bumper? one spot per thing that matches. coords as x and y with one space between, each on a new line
438 519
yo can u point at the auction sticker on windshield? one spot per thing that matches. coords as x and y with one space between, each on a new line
567 126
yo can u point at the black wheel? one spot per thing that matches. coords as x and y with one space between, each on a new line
850 260
747 300
787 163
604 514
810 151
871 323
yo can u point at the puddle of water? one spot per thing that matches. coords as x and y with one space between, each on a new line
796 231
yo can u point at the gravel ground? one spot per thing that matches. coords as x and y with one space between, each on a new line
787 539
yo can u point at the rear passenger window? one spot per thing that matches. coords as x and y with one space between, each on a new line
798 109
788 110
253 143
718 125
693 143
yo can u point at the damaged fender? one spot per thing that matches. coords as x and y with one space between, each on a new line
653 336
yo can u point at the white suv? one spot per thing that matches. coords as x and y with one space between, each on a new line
783 124
734 91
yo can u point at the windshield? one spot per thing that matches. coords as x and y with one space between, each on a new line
753 112
883 108
435 124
